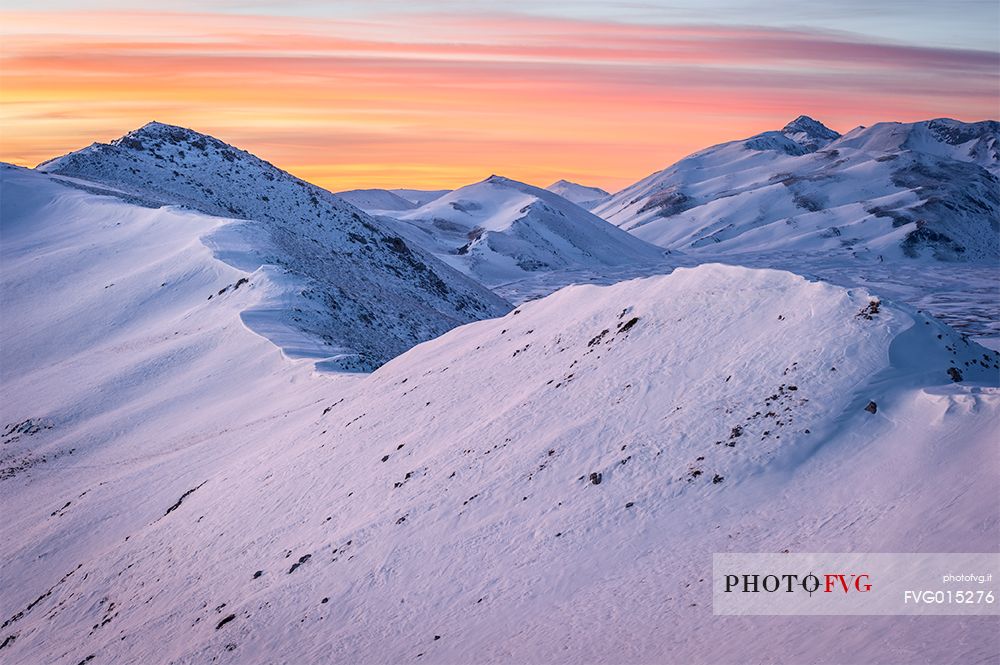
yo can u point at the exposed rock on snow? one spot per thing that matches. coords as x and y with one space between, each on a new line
355 293
174 489
889 191
500 230
450 492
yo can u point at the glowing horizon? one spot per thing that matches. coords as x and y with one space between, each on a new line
438 100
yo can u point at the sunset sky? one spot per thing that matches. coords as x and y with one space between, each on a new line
443 93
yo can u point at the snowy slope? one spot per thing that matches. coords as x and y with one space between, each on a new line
223 504
375 200
360 290
583 196
891 190
500 230
121 379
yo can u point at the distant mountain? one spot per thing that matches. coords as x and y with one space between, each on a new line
419 197
892 190
808 133
499 230
585 197
389 201
349 282
376 199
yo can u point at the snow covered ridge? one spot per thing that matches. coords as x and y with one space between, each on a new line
580 457
891 191
419 197
499 230
389 201
372 200
361 290
583 196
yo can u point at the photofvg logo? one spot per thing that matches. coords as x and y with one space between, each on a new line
860 584
811 583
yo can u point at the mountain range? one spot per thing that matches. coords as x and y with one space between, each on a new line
892 190
478 481
500 230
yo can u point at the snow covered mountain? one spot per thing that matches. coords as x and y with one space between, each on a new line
390 201
585 197
419 197
891 190
500 230
375 200
347 290
546 487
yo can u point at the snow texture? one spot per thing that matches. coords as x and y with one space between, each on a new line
544 485
891 191
176 492
501 230
348 281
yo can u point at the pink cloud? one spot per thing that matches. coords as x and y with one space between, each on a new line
470 85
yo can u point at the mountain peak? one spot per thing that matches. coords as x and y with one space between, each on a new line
501 230
582 195
343 317
160 132
162 129
810 127
154 125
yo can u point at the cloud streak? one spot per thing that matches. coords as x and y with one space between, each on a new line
438 100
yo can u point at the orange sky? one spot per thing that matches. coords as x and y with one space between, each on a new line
441 101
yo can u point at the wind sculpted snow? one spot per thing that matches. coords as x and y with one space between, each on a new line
544 486
354 292
444 508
